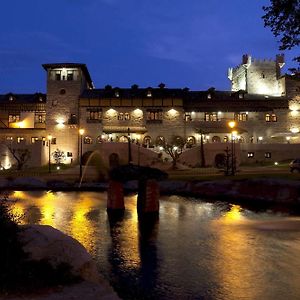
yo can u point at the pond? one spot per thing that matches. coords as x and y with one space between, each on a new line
196 250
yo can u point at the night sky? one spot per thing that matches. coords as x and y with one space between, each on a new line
180 43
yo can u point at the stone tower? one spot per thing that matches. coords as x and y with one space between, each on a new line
258 76
65 83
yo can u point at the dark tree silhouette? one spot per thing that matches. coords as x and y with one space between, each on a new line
174 148
20 155
283 17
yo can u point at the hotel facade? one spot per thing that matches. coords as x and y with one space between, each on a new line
264 104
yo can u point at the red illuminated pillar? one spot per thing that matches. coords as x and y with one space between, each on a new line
148 197
115 196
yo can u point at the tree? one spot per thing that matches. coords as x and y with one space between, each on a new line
20 155
283 17
59 156
174 148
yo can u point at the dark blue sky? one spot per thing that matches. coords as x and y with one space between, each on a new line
181 43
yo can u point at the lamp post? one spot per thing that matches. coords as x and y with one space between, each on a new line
129 147
232 124
49 153
81 132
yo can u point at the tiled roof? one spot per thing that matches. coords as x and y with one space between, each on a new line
132 93
22 98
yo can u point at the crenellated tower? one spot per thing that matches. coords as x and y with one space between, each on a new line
258 76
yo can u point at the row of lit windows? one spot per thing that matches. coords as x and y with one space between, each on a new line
21 139
240 117
267 155
39 118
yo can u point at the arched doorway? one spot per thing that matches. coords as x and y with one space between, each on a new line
160 141
147 141
178 141
190 141
220 160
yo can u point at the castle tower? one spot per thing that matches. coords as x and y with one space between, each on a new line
65 83
257 76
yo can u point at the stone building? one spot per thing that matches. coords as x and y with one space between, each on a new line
264 104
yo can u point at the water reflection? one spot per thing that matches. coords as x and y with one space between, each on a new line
195 250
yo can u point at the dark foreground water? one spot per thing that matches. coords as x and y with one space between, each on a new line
196 250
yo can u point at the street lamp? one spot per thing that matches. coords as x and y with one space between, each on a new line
81 132
232 124
49 153
129 147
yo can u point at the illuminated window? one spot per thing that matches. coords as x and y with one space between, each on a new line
9 138
241 117
13 118
268 118
58 75
208 96
88 140
11 98
73 119
211 117
154 116
94 115
250 154
70 75
267 154
188 117
20 139
40 118
123 116
34 139
274 118
117 94
149 93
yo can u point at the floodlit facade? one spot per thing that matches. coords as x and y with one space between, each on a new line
264 104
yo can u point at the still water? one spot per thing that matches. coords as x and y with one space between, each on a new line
196 250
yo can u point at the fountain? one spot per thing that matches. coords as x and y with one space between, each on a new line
148 188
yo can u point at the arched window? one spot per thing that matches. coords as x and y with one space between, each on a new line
123 139
225 139
216 139
268 118
191 140
99 139
88 140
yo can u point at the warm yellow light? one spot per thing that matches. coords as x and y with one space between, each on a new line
294 130
60 123
49 137
231 124
111 112
81 131
172 111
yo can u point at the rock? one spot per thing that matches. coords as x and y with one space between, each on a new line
46 242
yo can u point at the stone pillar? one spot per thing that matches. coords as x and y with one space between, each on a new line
148 197
115 196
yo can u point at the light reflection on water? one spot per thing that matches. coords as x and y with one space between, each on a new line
196 250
